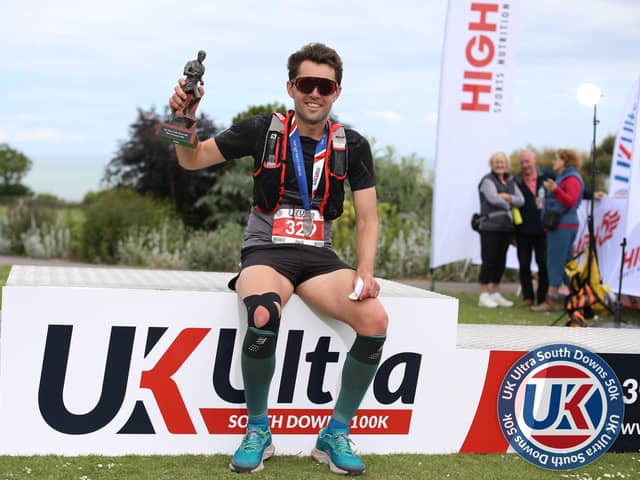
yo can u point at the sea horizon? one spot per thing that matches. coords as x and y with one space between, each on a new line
69 178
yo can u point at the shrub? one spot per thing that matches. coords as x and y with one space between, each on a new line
18 219
343 239
403 247
172 246
161 247
217 251
5 240
111 214
47 241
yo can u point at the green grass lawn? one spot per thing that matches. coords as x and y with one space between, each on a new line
436 467
469 312
383 467
4 274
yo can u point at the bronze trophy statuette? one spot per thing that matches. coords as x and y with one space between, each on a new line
178 129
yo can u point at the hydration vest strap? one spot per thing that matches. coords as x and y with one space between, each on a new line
339 137
339 145
275 153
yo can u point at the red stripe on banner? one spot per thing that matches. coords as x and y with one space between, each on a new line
301 421
564 441
561 371
485 435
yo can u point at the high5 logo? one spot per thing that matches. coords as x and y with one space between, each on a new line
560 406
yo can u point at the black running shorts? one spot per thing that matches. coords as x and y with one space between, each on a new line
297 263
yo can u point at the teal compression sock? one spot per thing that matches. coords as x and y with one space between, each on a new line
336 425
357 373
258 362
259 421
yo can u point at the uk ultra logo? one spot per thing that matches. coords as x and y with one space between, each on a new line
560 407
183 384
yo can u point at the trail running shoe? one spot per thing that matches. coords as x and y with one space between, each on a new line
334 449
256 447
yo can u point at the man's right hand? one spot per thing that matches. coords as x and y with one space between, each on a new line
179 100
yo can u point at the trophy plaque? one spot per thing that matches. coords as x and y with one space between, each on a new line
179 129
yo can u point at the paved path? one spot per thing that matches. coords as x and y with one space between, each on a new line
424 283
50 262
454 287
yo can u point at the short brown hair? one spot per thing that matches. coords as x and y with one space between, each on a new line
571 158
318 53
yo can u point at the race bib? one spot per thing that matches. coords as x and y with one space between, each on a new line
289 227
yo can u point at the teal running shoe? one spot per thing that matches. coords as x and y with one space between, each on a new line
256 447
334 449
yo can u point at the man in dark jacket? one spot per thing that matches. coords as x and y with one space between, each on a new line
530 235
531 238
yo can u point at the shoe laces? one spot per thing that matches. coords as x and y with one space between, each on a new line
253 440
341 443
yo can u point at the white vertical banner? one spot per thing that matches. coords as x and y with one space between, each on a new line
608 227
623 150
624 182
633 193
474 117
609 221
631 261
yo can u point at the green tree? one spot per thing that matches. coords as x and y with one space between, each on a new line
402 183
404 211
14 165
253 110
603 156
150 166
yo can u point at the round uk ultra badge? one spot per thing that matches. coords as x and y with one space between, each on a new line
560 407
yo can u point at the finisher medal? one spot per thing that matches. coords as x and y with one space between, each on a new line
307 223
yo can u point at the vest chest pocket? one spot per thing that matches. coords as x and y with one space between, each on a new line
268 185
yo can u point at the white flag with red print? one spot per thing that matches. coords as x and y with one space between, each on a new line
474 117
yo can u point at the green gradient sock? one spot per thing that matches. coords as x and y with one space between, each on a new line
357 373
257 372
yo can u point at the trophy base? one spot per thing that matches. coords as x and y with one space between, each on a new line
168 132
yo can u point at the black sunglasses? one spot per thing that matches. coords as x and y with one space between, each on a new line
307 84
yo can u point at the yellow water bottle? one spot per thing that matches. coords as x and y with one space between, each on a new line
517 216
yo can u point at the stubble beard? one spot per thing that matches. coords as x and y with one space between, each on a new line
314 119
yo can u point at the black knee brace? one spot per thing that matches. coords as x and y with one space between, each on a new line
268 301
261 342
368 349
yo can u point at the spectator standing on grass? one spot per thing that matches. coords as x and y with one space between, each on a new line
499 194
531 239
564 195
530 236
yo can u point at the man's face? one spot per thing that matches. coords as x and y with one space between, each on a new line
527 163
313 108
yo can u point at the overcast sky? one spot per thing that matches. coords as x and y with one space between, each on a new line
73 73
